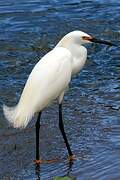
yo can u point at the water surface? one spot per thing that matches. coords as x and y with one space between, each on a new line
28 30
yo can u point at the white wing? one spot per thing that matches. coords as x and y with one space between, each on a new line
48 79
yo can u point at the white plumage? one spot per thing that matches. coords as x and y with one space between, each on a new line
49 78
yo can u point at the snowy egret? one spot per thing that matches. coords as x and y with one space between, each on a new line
49 80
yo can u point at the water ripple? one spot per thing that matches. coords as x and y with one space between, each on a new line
29 29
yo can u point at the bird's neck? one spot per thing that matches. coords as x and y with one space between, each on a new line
79 53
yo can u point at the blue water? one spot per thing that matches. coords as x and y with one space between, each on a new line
28 30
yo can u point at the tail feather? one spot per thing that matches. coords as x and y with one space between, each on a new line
16 116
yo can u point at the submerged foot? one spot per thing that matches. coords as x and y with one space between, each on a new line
40 161
46 161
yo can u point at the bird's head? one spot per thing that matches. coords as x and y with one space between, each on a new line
80 37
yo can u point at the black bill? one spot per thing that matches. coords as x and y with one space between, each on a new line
102 42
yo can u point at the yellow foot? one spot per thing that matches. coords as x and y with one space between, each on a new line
71 158
38 161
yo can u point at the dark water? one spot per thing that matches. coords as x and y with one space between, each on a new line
28 30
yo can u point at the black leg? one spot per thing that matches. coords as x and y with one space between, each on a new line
61 126
37 135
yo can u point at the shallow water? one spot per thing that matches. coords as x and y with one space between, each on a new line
28 30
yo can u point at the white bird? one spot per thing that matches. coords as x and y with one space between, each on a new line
49 80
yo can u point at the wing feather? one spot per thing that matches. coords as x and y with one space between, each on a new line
48 79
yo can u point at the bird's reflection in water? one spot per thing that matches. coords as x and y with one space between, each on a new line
67 174
69 169
37 171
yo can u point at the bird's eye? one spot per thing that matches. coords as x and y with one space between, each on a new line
87 38
83 37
